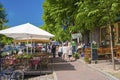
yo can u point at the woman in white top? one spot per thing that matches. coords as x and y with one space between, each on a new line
69 51
64 51
60 51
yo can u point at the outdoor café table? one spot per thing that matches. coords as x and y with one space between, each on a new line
35 62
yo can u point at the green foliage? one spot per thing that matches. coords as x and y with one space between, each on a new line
59 13
24 56
76 55
78 15
3 20
2 16
4 54
86 59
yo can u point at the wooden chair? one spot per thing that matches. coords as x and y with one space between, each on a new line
107 52
87 52
100 51
101 54
118 54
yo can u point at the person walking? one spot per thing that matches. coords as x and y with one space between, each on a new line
54 50
94 52
64 51
69 52
60 51
73 47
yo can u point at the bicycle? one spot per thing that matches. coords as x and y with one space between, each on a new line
11 74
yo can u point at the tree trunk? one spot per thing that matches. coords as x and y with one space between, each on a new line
111 46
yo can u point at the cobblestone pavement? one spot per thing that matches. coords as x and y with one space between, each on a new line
77 71
107 68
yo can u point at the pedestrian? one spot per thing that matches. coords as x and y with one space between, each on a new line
60 51
48 48
64 55
94 52
53 50
69 52
73 46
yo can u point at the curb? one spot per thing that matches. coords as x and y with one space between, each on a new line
55 76
110 77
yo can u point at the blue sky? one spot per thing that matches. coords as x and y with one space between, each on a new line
23 11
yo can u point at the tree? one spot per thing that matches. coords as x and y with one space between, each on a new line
60 14
2 16
97 13
3 20
112 12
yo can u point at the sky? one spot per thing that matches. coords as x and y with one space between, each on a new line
23 11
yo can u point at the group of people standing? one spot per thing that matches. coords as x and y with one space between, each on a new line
67 49
64 51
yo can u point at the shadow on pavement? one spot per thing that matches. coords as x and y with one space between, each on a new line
61 65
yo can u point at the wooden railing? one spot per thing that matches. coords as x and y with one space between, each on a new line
87 52
106 52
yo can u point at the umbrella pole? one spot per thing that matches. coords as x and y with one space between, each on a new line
31 45
34 47
27 46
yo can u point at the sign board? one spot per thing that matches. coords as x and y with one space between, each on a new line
76 35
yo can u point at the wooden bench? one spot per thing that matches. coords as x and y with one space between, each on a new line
87 52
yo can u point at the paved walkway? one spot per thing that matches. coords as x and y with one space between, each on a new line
107 68
77 70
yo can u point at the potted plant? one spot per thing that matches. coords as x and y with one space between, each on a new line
87 60
76 55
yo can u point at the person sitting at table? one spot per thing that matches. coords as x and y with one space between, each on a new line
35 62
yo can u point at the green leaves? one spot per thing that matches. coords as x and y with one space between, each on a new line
93 13
78 15
3 20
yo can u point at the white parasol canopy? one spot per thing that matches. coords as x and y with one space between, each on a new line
26 31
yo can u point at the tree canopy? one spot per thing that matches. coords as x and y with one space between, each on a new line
3 20
63 17
2 16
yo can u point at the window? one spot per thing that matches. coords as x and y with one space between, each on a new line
105 37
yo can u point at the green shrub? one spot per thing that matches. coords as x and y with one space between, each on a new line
87 60
24 56
76 55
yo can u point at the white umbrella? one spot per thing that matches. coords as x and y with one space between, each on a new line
26 31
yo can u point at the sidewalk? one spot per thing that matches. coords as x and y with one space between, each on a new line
106 68
79 70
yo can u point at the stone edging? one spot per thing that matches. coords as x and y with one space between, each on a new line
54 75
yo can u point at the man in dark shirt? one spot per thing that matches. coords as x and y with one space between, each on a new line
54 50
